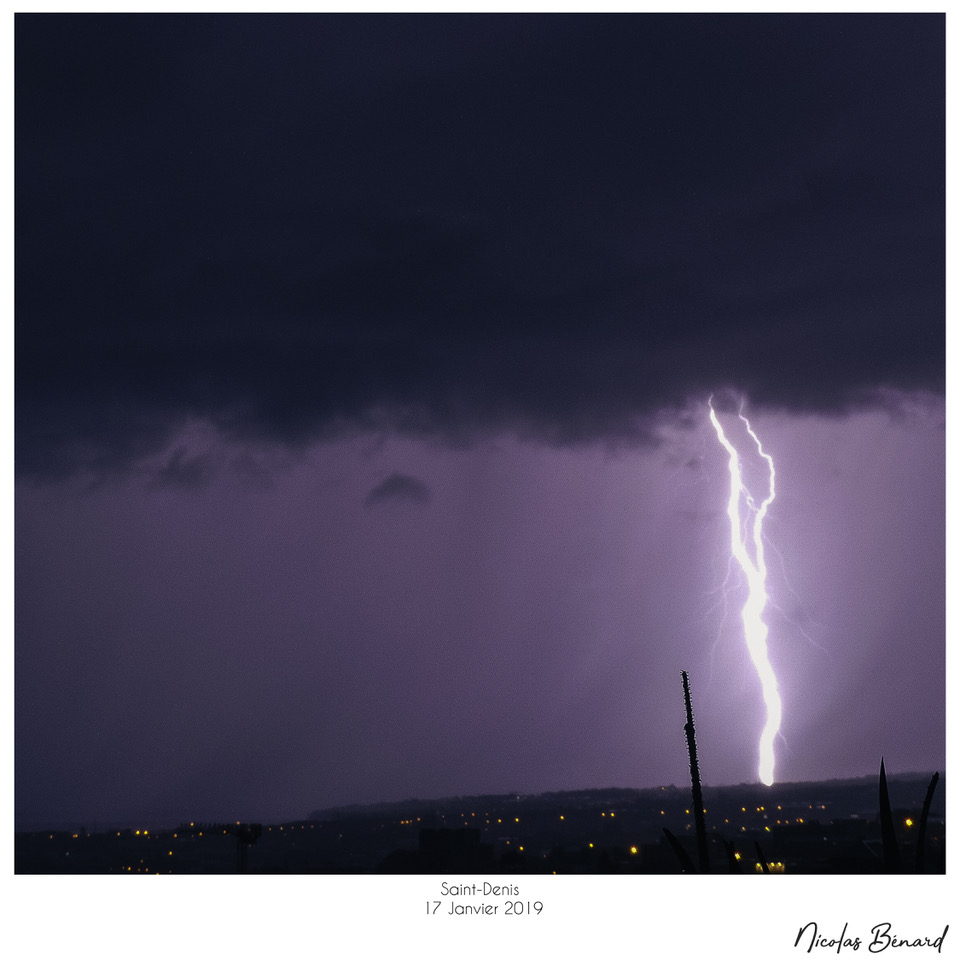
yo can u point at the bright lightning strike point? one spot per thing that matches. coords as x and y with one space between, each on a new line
754 568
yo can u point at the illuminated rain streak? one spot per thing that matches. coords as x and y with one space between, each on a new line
755 570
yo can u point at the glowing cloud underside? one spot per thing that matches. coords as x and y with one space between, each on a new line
743 535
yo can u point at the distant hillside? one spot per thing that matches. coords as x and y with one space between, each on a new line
606 795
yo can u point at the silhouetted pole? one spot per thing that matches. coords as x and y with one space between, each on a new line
702 849
246 834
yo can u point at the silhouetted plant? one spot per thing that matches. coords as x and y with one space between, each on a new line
761 859
685 862
891 849
703 851
731 852
922 833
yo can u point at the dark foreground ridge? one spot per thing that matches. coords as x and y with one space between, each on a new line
821 828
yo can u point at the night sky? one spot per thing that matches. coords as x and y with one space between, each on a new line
362 370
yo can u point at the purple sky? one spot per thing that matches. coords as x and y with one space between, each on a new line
506 617
362 371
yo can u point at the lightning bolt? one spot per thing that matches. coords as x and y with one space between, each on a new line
754 568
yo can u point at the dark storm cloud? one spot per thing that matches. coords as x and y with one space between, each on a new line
185 471
293 226
399 487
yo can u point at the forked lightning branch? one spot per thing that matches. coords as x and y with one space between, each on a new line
746 514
